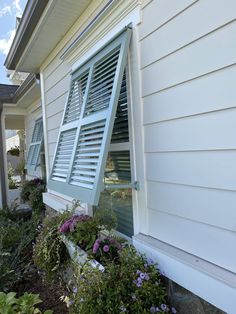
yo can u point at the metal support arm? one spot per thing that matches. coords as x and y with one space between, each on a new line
134 185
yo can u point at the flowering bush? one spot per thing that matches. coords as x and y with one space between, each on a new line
106 250
83 230
131 286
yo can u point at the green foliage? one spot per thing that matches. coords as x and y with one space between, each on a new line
25 304
31 192
12 183
83 230
14 151
131 286
16 236
50 252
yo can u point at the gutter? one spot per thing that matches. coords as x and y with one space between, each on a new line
27 84
32 14
2 164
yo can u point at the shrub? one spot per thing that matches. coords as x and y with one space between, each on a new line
16 236
12 183
32 192
28 186
131 286
50 252
25 304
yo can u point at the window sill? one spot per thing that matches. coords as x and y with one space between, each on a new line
58 203
211 282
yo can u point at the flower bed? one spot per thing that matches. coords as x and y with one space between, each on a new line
122 280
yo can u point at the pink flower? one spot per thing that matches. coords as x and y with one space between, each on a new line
106 248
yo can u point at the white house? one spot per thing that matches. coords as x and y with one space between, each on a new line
141 95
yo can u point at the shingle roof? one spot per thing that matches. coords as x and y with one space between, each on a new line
7 92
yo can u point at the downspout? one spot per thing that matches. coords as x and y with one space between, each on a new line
2 164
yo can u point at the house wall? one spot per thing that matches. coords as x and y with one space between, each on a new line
188 55
33 113
182 116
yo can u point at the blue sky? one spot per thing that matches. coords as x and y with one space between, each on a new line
9 10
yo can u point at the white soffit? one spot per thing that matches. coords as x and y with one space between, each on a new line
57 19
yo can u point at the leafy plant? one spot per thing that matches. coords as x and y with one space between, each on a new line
83 230
12 183
107 250
50 252
25 304
131 286
29 186
16 236
14 151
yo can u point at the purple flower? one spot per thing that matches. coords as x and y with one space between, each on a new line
75 290
150 261
138 284
152 309
173 310
106 248
163 307
138 272
142 275
96 246
139 280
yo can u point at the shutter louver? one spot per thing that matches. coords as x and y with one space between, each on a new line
120 133
94 97
63 156
35 145
75 100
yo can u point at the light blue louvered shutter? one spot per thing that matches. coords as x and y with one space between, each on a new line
91 139
35 145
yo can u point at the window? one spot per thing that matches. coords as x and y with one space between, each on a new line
118 169
35 145
88 120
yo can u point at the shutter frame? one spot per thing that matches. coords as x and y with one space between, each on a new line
91 196
35 146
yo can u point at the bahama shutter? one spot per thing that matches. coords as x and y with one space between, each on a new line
83 144
35 145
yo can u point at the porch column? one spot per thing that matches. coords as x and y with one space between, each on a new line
3 187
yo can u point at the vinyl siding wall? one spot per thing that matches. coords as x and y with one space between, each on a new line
188 55
34 112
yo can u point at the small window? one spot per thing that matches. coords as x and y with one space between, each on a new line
35 146
89 116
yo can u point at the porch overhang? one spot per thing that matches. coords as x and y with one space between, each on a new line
44 23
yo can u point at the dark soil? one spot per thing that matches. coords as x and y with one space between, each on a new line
49 293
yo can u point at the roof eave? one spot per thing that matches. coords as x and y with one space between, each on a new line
30 18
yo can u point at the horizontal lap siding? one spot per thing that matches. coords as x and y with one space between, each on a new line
188 56
56 84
